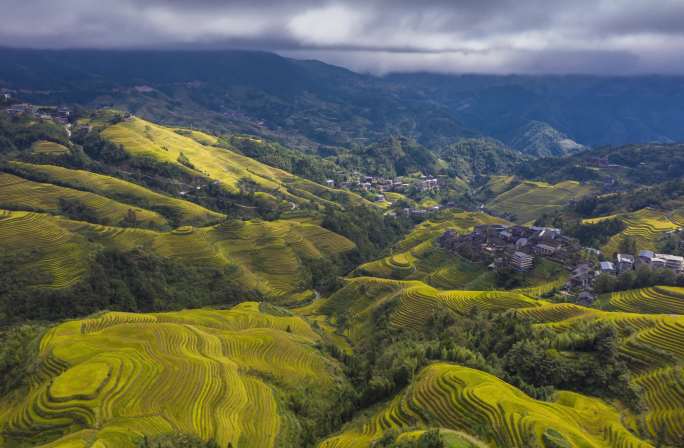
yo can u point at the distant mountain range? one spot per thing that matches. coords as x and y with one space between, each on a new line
312 105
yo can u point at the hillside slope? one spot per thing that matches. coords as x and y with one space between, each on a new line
539 139
455 397
110 380
268 257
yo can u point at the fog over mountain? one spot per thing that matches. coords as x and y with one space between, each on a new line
493 36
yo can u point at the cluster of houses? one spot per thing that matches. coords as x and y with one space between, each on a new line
584 274
625 262
380 185
513 247
58 114
518 248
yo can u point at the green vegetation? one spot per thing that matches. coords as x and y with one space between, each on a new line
232 376
457 397
56 255
529 200
49 148
20 134
657 299
177 211
644 227
210 269
21 194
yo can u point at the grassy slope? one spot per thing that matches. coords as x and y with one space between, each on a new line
143 138
529 200
21 194
108 380
187 212
269 255
456 397
655 300
645 226
416 302
49 148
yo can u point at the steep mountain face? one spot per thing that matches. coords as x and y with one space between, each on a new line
539 139
471 157
593 110
307 104
642 164
310 104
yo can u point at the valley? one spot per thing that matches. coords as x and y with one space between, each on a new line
331 259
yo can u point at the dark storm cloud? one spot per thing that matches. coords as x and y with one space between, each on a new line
499 36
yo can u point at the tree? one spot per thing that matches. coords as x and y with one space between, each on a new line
628 246
247 186
131 218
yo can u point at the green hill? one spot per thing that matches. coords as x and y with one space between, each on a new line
268 257
227 375
529 200
455 397
196 154
181 212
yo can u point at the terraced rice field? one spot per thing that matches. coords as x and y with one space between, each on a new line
416 302
645 226
21 194
655 300
529 200
419 302
49 148
109 380
117 189
56 257
653 345
268 256
459 398
143 138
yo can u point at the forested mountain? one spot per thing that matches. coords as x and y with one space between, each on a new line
311 103
541 140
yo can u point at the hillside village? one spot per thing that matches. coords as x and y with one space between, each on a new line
378 189
59 114
518 248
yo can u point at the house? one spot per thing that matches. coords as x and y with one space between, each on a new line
506 235
607 267
379 198
672 262
646 256
330 183
544 249
546 233
19 109
520 243
585 298
581 276
365 186
658 263
592 251
625 262
522 262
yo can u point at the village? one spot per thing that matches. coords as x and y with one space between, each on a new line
59 115
379 189
518 248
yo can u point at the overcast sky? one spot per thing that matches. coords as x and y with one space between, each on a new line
493 36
